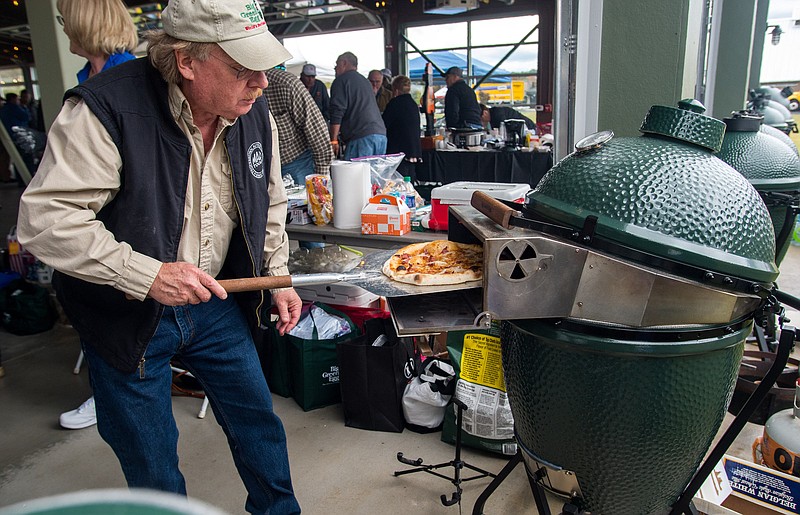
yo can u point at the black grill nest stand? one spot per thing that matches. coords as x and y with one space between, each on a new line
457 463
684 505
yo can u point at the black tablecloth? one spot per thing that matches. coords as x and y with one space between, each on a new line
485 166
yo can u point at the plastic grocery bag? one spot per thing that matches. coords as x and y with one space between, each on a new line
331 258
427 395
320 198
383 172
385 177
327 326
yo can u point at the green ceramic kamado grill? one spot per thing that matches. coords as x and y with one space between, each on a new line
775 133
771 166
626 302
775 115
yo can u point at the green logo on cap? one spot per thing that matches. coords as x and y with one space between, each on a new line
252 13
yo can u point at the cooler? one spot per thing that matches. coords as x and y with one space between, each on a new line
459 194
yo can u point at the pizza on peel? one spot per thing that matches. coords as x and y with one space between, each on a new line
437 262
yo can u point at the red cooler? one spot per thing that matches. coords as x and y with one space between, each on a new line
460 193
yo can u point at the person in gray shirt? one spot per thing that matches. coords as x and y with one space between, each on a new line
355 118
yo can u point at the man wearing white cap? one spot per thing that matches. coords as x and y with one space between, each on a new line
161 176
316 88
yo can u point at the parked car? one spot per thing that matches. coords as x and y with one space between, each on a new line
794 101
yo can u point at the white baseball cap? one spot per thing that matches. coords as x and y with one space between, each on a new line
309 70
237 26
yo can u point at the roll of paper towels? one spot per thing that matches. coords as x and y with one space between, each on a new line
351 192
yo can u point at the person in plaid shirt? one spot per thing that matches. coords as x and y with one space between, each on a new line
302 132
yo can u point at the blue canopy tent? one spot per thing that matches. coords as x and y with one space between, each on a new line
445 59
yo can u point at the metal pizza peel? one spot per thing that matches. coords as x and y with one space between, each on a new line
367 275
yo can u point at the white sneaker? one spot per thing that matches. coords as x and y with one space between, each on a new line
84 416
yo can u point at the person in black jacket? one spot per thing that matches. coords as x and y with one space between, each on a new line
167 173
461 109
494 116
402 121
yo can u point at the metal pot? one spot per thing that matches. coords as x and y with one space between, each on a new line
631 411
463 138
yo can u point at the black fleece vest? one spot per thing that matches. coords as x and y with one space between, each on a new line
131 101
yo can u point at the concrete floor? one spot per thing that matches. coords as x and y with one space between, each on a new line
336 470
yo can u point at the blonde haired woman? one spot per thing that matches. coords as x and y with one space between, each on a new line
100 30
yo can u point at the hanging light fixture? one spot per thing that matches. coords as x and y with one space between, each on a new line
776 33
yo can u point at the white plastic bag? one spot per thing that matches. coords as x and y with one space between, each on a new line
383 170
386 180
328 326
427 395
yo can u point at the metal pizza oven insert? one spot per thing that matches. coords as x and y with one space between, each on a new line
629 409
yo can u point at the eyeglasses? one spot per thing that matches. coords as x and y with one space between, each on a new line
242 73
60 19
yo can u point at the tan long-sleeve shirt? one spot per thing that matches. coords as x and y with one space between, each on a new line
80 173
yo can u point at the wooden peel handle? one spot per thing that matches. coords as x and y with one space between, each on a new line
256 283
497 211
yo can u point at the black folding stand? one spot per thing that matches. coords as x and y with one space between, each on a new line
456 463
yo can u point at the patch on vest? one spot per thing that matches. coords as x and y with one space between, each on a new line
255 160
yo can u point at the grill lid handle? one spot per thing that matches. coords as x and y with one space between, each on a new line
496 211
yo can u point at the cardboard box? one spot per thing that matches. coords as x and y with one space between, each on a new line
297 198
298 216
385 214
340 294
740 486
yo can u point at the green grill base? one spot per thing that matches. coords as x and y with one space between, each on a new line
631 419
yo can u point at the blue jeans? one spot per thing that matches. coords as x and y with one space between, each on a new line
372 145
302 165
134 411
